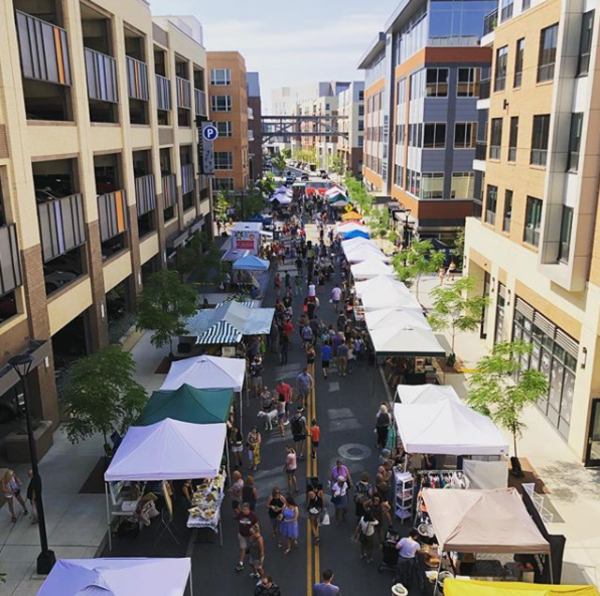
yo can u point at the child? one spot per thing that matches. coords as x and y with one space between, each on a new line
315 437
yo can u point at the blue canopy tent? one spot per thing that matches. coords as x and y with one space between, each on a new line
355 234
251 263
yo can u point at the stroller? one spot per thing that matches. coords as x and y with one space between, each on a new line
389 552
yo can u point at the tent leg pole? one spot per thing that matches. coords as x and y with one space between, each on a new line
191 584
221 532
241 413
551 567
228 462
436 589
108 516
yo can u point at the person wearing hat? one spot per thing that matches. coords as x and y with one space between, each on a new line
339 498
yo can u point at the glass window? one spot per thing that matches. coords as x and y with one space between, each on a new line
501 65
533 220
566 225
417 84
519 56
361 110
506 10
508 197
547 56
513 138
459 22
399 176
437 82
413 181
491 203
401 92
220 76
539 140
222 184
574 142
462 185
434 136
223 160
585 43
468 82
432 185
220 103
225 129
495 138
465 134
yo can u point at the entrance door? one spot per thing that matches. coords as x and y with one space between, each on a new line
593 450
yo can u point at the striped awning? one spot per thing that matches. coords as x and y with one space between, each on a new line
220 333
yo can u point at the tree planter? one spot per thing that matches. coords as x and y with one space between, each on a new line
17 444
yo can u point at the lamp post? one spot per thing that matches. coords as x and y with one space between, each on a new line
46 559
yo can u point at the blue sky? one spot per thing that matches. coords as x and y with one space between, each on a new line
289 43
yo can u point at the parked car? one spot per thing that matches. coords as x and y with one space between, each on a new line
304 177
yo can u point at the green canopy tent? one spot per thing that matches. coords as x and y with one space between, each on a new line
338 197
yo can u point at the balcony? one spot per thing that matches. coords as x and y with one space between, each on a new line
200 102
137 79
145 194
112 212
485 87
10 266
184 93
163 93
101 73
169 190
481 150
187 178
44 50
490 22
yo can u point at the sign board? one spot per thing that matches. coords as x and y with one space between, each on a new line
246 240
206 155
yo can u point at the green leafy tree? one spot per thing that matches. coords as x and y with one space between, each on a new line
221 205
456 310
252 201
267 185
101 395
500 388
380 226
163 305
358 194
287 153
279 163
458 250
337 165
417 260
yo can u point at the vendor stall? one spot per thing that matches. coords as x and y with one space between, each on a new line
352 216
207 372
207 499
426 394
463 587
365 252
250 263
371 268
407 341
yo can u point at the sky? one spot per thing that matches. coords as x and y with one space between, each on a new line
289 42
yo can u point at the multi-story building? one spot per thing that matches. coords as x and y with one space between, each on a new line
351 105
534 243
422 78
254 127
228 101
99 184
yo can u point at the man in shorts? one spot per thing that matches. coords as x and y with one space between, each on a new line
284 389
336 295
325 358
298 426
304 384
246 520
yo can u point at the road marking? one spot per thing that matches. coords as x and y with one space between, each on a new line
349 451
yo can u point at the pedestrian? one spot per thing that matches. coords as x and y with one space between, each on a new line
442 275
310 355
11 490
408 547
298 426
339 498
256 370
304 385
290 467
266 399
379 510
275 505
315 437
246 518
298 285
253 441
284 389
342 359
307 336
236 443
340 470
325 359
315 506
281 413
277 284
451 271
289 524
326 588
284 344
351 358
256 552
249 494
359 352
363 492
336 295
382 426
235 491
32 497
365 536
288 280
266 587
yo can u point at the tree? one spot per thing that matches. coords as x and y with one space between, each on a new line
101 395
358 194
501 389
454 311
163 305
279 163
221 205
458 250
267 185
252 201
287 153
338 165
379 224
417 260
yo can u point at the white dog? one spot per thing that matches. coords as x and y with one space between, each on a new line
269 418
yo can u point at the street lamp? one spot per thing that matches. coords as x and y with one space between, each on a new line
46 559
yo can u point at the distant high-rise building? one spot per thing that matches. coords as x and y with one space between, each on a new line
254 127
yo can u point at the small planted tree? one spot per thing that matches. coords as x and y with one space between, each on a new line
455 311
500 388
266 185
279 163
163 305
221 205
337 165
253 201
100 395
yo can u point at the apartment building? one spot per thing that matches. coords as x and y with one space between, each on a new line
422 77
99 184
255 158
228 101
351 106
534 241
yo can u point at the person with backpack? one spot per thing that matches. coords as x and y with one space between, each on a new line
298 426
365 536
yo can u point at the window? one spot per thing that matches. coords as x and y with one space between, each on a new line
223 160
415 134
547 57
361 96
506 10
399 176
434 136
533 220
222 184
437 82
574 142
361 110
508 196
401 92
465 134
432 185
468 82
501 64
220 76
513 138
539 140
565 234
519 56
413 182
225 129
361 125
220 103
526 5
417 84
462 185
585 43
491 203
495 138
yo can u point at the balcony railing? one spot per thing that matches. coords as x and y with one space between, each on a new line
112 211
485 87
163 93
187 178
481 150
101 73
44 50
145 194
169 190
137 79
10 266
490 21
184 93
62 225
200 102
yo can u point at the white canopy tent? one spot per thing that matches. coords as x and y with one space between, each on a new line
207 372
354 242
426 394
405 338
118 577
447 428
385 292
393 318
366 252
334 190
350 226
371 268
380 284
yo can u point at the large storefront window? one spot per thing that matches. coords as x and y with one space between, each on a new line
554 353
